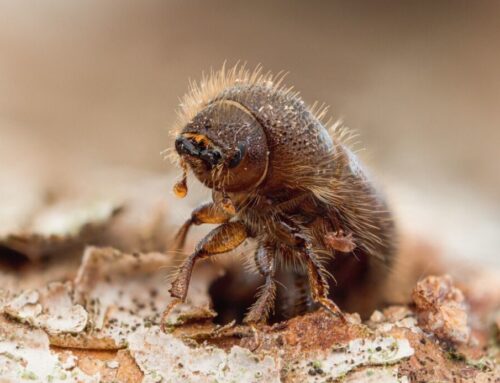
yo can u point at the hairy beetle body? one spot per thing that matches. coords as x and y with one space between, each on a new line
280 177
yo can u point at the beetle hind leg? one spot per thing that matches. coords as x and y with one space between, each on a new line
319 284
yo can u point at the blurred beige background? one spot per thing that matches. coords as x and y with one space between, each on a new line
96 83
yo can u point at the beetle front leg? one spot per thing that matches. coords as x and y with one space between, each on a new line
222 239
209 212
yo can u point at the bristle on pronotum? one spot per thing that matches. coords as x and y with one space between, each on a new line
210 86
202 92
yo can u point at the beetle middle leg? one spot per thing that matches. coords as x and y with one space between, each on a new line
222 239
265 262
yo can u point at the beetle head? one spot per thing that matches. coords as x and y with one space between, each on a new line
225 146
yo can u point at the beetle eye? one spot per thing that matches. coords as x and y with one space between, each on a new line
238 155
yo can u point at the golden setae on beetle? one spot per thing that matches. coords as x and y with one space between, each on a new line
280 177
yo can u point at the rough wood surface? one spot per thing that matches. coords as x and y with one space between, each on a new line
94 314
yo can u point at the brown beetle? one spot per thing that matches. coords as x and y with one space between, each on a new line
280 177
